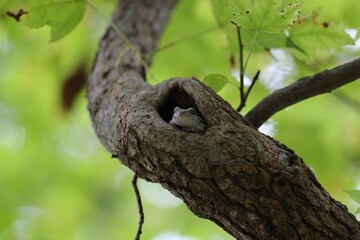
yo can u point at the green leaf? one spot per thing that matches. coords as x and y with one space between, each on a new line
357 211
61 15
264 15
263 40
355 195
221 11
223 17
357 35
310 36
291 44
216 81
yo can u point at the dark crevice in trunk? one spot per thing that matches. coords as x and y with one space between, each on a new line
176 97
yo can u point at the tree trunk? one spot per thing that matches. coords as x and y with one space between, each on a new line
248 183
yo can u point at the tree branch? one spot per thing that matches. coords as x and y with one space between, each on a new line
242 70
247 183
140 206
302 89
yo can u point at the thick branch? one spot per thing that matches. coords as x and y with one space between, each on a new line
247 183
302 89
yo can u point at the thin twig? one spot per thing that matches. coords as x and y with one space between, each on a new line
241 72
255 78
140 207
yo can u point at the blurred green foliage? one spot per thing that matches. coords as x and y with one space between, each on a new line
43 12
355 195
58 182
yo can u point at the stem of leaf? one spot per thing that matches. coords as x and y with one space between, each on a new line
244 96
250 51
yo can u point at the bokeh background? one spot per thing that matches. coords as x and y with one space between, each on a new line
58 182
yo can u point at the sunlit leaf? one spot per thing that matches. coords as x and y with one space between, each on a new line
310 35
216 81
263 40
223 17
291 44
221 11
61 15
264 15
354 194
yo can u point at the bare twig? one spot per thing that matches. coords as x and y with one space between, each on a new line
241 72
243 95
255 78
302 89
140 207
252 84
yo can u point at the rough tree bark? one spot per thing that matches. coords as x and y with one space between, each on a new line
248 183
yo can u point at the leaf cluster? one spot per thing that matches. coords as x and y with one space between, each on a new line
277 24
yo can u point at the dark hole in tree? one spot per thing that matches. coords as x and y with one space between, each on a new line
177 97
